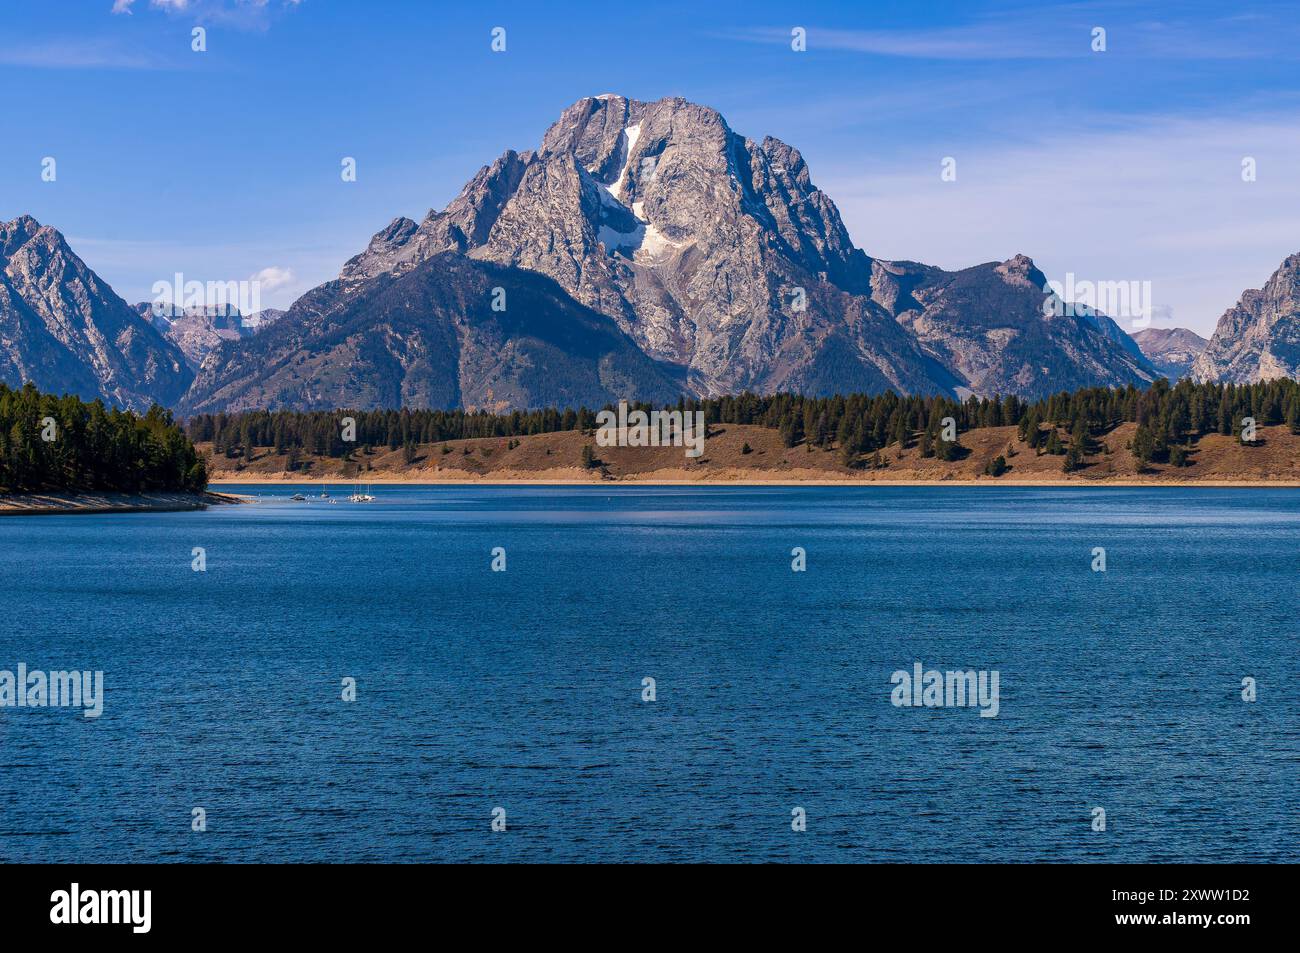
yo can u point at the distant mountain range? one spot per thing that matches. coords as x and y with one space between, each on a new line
1171 350
643 251
197 331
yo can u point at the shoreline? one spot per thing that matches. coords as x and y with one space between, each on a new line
1118 484
87 503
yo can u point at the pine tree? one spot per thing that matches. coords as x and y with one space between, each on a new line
1143 446
927 444
902 433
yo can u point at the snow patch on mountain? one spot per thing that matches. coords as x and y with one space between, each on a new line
630 135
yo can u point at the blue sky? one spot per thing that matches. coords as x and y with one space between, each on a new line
1115 165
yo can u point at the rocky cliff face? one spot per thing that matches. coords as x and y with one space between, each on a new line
430 337
1259 339
1171 350
64 329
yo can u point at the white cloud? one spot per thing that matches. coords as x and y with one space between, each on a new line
242 14
274 278
124 6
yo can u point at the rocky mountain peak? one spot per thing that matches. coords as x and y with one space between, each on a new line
63 327
591 130
1171 350
15 234
1289 270
1259 338
1021 270
25 234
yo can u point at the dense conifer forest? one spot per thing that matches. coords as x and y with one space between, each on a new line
1169 419
50 443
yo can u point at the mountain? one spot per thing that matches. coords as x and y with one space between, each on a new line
198 330
718 256
1259 339
1171 350
713 252
430 337
992 324
63 328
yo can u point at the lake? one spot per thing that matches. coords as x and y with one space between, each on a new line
522 690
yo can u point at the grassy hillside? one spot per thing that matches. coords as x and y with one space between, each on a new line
558 457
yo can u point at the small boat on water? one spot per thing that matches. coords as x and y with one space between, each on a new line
358 496
297 496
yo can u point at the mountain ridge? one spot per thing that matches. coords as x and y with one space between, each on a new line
713 253
429 338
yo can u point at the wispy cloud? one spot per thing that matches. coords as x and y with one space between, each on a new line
114 53
1161 200
78 53
1059 32
979 41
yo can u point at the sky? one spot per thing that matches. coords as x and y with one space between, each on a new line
1122 164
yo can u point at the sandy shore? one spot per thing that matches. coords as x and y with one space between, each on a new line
44 504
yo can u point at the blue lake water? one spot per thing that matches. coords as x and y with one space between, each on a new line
523 689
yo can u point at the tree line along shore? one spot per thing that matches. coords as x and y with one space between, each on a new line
61 446
64 445
1182 433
